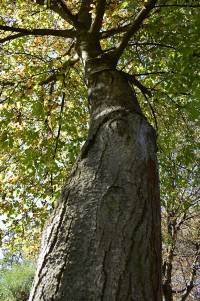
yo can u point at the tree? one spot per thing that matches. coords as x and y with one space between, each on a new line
104 234
180 222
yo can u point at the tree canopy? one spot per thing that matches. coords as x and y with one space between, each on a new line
44 109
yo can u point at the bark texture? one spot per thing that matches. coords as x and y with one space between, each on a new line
102 242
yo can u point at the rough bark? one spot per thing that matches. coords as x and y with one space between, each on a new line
102 242
168 265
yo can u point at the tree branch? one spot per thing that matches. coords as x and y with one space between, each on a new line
65 12
137 83
84 14
177 5
145 91
59 124
12 37
100 10
143 14
151 73
60 7
66 33
69 33
191 283
111 32
150 44
68 64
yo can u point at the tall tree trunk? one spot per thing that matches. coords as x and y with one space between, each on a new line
103 239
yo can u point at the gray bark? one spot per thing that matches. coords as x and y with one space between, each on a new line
168 265
102 242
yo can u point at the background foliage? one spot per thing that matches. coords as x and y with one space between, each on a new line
44 119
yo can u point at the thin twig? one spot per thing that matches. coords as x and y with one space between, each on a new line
152 111
60 124
59 72
150 44
177 5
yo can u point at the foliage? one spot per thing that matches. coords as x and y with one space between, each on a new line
15 282
44 109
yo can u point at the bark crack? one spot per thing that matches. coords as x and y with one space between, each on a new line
48 250
105 272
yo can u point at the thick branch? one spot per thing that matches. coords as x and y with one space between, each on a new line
143 14
60 7
84 14
100 10
63 10
67 33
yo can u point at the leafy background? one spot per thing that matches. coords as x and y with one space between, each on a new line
44 117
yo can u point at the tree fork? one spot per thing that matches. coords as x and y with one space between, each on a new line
103 239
